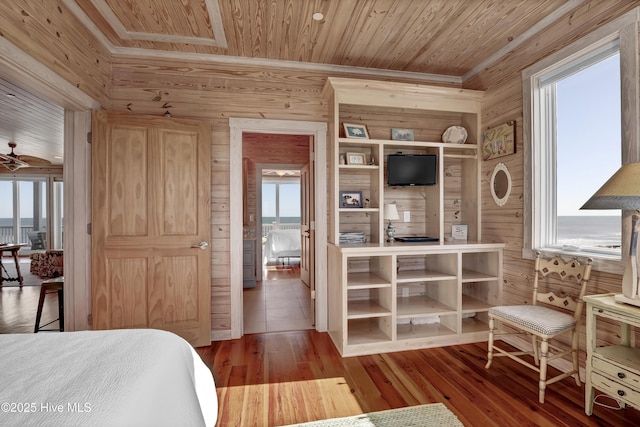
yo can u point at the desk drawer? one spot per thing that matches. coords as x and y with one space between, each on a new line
616 372
615 389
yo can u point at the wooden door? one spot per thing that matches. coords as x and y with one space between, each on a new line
307 236
151 265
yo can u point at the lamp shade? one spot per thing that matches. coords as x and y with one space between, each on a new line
391 212
621 191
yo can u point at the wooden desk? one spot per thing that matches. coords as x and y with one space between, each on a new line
4 274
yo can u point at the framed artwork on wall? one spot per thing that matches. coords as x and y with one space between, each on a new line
499 141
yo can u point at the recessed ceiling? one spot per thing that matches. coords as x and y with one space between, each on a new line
34 124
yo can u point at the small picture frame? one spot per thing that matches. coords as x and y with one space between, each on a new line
459 231
355 131
350 199
356 159
401 134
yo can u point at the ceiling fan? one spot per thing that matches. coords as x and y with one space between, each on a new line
13 161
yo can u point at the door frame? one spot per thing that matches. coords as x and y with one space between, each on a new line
23 70
319 131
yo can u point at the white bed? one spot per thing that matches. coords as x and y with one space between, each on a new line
282 244
137 377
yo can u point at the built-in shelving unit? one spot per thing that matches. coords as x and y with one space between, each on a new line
386 296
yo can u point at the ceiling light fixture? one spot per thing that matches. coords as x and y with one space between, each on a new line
318 16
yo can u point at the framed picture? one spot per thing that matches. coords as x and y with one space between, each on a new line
351 199
459 231
499 141
355 131
356 159
399 134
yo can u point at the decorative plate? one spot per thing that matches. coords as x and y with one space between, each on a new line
455 135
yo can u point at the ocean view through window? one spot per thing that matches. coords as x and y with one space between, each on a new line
575 146
588 151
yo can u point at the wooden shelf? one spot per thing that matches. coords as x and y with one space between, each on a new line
476 276
366 280
472 325
360 309
409 331
421 306
408 276
471 304
364 331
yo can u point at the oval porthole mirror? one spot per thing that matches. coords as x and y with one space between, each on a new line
500 184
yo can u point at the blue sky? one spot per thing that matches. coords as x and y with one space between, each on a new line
289 200
589 150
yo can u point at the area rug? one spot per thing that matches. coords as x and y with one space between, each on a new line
435 414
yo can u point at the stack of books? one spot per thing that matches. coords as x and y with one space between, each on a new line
353 237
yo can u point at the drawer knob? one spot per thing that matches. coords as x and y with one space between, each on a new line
621 375
621 393
600 310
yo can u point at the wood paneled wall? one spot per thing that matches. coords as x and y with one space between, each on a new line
216 92
503 102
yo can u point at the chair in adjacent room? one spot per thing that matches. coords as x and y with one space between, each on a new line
50 286
549 316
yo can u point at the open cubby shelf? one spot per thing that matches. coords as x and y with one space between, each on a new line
387 296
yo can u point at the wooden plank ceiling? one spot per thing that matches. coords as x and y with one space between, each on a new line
453 38
448 37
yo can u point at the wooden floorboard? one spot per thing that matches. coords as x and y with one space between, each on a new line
18 305
282 378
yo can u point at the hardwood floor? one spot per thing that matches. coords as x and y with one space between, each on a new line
18 305
290 377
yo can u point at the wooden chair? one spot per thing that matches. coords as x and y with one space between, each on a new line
543 323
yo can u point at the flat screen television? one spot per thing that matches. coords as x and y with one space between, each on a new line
412 169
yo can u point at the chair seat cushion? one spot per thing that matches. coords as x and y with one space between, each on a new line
543 320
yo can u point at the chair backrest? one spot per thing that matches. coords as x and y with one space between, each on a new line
574 272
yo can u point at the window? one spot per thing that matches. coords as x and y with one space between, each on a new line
574 141
280 202
25 210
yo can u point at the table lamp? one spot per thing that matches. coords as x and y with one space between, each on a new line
622 191
391 214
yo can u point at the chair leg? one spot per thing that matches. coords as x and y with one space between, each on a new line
536 355
490 346
43 292
574 355
544 353
61 309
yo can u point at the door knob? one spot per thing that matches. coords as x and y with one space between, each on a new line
202 245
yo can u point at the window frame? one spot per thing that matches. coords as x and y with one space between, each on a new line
622 31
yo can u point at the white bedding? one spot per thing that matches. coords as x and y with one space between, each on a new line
93 378
282 243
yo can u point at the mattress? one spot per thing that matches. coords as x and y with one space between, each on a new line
137 377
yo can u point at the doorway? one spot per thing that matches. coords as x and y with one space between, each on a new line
315 132
280 301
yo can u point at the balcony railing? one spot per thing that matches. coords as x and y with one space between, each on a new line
6 234
266 228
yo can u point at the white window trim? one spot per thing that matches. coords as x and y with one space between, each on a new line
624 30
